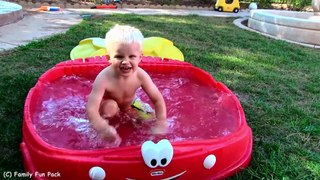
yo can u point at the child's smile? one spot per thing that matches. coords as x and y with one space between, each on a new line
125 68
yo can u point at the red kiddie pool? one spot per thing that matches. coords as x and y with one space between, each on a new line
208 135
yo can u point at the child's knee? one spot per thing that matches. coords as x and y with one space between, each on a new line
109 108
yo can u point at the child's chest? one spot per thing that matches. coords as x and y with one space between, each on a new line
124 88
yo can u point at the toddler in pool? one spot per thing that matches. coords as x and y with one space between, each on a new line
114 89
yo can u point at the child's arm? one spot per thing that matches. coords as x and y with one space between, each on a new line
93 106
160 107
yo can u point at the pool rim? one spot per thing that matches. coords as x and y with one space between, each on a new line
28 117
34 147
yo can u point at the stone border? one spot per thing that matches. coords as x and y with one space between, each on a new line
238 22
88 5
29 4
12 16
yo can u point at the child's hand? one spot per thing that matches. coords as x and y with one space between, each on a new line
110 134
161 127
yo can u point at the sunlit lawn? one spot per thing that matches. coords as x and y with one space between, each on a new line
276 82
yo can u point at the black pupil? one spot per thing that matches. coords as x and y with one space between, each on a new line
163 161
153 162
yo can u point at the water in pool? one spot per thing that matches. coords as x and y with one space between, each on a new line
195 112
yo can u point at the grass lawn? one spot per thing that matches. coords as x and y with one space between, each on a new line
277 83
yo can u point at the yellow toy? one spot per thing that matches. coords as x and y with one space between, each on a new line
161 47
144 110
227 5
89 47
152 46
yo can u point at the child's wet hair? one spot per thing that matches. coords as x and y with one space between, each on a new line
123 34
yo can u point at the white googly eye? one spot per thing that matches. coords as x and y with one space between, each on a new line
165 152
150 154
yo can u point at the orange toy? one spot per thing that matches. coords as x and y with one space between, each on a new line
49 8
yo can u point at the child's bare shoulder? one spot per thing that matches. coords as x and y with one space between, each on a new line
142 72
143 76
106 72
103 76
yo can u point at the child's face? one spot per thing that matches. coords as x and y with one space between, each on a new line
125 57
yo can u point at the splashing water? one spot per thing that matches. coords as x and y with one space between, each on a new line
195 112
